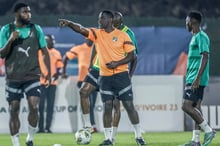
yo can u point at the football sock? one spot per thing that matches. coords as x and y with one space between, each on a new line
86 119
108 132
15 140
114 132
204 125
196 135
31 132
137 130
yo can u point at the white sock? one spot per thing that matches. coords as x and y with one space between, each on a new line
204 125
108 133
86 119
114 132
137 130
15 140
196 135
31 132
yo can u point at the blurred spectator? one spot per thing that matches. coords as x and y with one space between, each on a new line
48 92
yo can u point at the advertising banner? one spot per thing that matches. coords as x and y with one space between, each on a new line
156 98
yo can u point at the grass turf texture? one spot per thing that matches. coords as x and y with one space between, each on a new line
122 139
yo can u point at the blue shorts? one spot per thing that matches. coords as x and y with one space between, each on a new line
92 78
117 85
193 95
17 90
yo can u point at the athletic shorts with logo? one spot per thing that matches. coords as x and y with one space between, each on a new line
17 90
193 95
117 85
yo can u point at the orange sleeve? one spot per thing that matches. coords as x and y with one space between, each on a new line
128 45
92 34
73 53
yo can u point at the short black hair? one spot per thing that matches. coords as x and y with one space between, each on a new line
119 14
18 6
108 13
196 15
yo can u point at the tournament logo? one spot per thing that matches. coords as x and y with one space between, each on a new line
114 39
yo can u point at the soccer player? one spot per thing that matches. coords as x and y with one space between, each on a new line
111 45
197 78
19 43
83 52
48 93
118 23
90 82
89 86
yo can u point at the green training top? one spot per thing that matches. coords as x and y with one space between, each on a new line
23 33
199 43
21 63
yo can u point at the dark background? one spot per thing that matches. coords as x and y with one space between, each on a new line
156 13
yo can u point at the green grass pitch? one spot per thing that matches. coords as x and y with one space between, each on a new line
122 139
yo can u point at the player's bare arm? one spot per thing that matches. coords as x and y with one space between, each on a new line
74 26
127 59
6 49
204 61
93 54
47 63
133 64
65 60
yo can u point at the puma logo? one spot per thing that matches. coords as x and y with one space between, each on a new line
38 90
188 94
24 51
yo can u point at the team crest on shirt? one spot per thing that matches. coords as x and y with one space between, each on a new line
114 39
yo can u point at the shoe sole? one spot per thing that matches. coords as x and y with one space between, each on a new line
193 145
141 144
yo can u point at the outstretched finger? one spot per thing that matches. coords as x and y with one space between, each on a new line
61 22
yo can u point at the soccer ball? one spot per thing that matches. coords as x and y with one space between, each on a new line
83 137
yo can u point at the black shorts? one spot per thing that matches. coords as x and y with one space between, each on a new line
116 85
193 95
17 90
92 78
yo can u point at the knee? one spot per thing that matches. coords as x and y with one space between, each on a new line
129 106
33 108
83 92
14 113
187 107
108 106
14 109
116 105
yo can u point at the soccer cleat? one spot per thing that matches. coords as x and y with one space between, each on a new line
106 143
29 143
140 142
191 143
208 137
